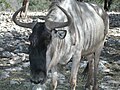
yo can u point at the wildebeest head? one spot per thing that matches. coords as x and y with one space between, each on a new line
40 39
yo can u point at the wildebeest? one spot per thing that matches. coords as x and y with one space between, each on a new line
71 30
26 4
107 4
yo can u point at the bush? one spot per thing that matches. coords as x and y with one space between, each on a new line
37 5
34 5
115 6
4 5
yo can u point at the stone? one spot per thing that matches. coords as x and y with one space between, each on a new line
61 78
6 54
113 83
14 69
14 82
39 87
15 59
116 67
4 75
1 49
8 35
22 47
102 67
26 64
106 78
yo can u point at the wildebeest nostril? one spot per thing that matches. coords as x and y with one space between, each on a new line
34 81
40 80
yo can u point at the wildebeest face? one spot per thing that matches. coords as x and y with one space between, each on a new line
39 40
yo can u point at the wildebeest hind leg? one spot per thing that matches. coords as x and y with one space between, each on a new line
90 68
96 62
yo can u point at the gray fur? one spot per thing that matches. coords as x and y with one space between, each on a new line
85 36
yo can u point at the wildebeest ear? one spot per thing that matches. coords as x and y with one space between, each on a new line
61 33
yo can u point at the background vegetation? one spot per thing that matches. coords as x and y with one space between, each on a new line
37 5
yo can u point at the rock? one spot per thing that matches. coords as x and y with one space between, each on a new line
14 82
14 69
83 64
110 42
61 78
16 51
6 54
1 35
39 87
16 42
118 62
9 47
104 86
15 59
106 78
113 83
22 47
23 56
1 49
114 20
4 75
1 43
26 64
8 35
69 65
102 66
115 67
27 84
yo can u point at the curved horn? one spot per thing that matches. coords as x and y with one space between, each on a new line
17 22
52 24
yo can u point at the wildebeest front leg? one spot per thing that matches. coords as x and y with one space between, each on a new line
74 70
54 77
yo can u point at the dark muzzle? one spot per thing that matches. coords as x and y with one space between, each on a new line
38 78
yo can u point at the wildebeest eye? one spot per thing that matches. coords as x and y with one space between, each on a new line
60 33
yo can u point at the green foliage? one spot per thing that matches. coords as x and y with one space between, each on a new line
37 5
5 4
115 6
